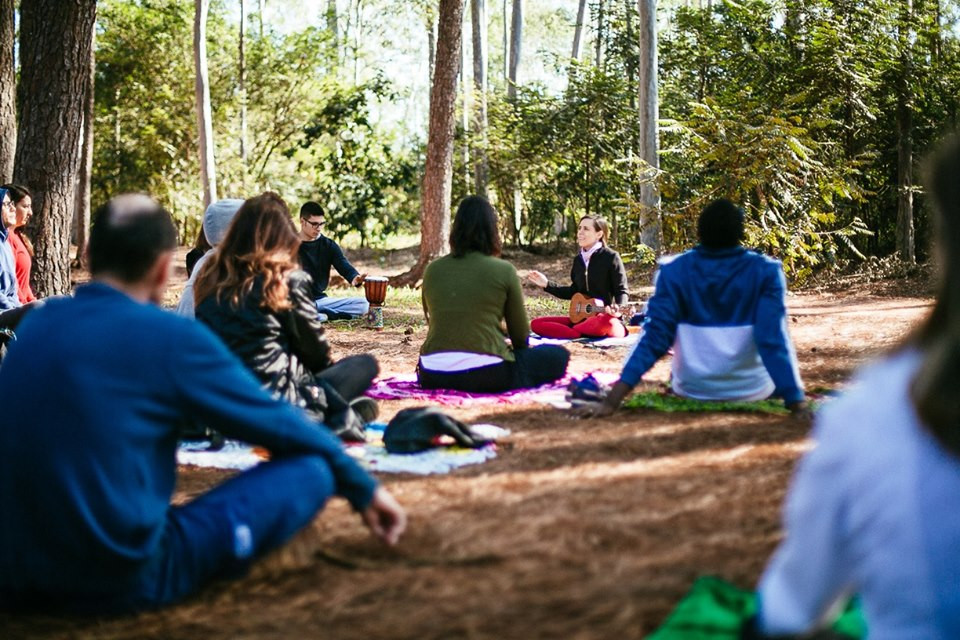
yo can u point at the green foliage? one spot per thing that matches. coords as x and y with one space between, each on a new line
658 401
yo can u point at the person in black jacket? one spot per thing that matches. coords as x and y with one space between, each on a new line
317 254
597 272
254 297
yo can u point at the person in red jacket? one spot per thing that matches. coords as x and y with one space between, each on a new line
20 244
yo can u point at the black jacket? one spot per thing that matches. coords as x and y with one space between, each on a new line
316 258
606 278
283 349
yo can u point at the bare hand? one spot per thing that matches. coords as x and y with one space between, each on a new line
612 310
800 410
593 410
358 280
385 518
538 279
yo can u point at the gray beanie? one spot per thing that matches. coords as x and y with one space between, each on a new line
217 219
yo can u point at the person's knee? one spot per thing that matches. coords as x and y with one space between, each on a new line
365 364
316 476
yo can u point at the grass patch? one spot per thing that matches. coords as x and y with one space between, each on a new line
672 404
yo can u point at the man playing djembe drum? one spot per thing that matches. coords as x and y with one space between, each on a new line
317 254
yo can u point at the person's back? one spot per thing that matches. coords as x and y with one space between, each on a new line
727 302
467 298
874 510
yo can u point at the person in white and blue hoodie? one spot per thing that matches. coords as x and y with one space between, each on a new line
722 309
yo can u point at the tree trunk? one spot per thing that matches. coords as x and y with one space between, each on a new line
243 97
438 172
56 42
905 232
516 37
208 169
578 32
8 92
431 49
82 198
481 166
332 22
649 115
465 92
601 28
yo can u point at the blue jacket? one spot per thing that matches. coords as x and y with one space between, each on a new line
724 313
8 269
92 393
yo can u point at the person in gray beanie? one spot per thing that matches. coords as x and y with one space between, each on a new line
216 221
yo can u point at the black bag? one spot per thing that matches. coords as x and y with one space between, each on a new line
416 429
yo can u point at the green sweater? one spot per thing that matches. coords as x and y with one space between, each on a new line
465 299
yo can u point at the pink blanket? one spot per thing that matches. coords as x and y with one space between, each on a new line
406 386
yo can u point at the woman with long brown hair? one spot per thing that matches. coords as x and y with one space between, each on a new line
874 509
252 293
19 243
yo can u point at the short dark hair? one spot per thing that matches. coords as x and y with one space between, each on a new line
129 233
310 209
721 225
475 228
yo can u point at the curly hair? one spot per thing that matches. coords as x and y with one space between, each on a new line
261 243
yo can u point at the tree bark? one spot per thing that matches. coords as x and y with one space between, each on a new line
56 42
481 166
905 230
516 38
649 115
243 96
82 198
438 171
578 32
8 92
208 169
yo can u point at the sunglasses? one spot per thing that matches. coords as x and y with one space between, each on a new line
314 225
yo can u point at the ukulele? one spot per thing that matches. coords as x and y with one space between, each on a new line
582 307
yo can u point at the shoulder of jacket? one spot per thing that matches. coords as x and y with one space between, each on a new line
299 278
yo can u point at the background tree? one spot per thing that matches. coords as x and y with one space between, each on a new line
8 91
438 171
208 169
56 42
648 103
82 211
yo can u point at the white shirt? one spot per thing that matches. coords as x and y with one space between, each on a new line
874 509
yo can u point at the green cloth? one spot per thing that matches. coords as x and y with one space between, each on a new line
672 403
466 299
714 609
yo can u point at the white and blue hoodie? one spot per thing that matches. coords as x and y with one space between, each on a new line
724 313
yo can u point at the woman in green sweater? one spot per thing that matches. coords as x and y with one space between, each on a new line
467 296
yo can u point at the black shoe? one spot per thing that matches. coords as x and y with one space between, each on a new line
366 408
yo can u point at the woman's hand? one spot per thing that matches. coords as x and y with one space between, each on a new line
538 279
612 310
384 516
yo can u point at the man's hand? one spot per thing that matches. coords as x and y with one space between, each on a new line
384 516
538 279
800 410
359 280
609 405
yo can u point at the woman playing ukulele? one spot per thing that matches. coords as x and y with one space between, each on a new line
597 273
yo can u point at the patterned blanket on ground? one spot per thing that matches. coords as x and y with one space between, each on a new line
714 609
372 455
405 386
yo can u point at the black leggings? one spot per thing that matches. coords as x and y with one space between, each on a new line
533 367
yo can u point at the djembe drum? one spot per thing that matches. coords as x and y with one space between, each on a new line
375 290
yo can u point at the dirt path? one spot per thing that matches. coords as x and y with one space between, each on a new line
577 530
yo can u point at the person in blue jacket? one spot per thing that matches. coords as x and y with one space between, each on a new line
90 431
722 309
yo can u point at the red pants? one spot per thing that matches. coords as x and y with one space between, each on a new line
599 326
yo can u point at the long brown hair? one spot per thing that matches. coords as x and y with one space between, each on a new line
934 388
262 242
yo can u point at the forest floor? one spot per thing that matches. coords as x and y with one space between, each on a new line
578 529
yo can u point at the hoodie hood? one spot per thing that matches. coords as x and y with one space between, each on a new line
217 219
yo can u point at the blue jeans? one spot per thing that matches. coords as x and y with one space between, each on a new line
355 307
220 534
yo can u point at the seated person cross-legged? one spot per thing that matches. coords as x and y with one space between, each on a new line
90 430
467 295
251 293
722 309
597 273
318 254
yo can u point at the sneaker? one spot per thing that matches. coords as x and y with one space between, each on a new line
366 408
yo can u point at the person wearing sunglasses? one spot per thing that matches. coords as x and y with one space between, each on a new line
317 254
